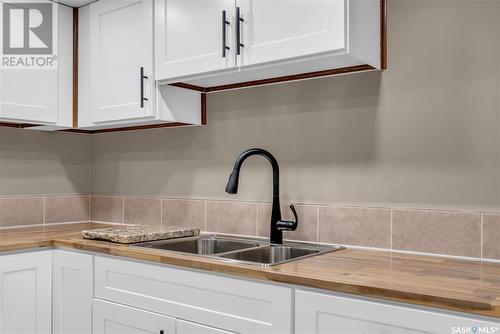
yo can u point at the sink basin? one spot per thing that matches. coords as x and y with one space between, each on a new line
202 245
270 254
240 250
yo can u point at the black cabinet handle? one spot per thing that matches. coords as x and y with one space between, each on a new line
225 23
239 19
142 87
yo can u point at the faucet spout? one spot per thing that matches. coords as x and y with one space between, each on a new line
277 224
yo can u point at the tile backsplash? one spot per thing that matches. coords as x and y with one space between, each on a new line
28 211
454 233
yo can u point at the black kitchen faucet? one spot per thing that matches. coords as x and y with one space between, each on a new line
277 224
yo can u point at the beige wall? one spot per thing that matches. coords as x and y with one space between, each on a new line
423 133
35 162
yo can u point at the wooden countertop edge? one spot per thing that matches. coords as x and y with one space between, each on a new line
269 274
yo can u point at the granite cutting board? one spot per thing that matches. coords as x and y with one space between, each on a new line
131 234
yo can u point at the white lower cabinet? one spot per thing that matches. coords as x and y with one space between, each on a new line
322 313
25 293
231 304
186 327
72 291
111 318
106 295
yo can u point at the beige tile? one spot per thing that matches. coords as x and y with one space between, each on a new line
308 222
142 211
106 209
451 233
368 227
491 237
64 209
232 217
21 211
179 212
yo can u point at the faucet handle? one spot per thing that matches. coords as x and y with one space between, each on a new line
292 207
287 225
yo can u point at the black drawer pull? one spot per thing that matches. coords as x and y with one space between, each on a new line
225 23
239 19
142 87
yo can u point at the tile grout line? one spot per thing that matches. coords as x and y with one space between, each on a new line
391 236
205 215
317 223
257 219
481 243
161 214
44 204
123 209
90 207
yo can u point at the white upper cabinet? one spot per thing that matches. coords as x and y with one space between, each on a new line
191 35
116 70
276 29
263 39
38 92
121 44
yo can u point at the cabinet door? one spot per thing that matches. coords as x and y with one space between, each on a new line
121 43
280 29
111 318
72 292
29 94
332 314
189 37
185 327
236 305
25 294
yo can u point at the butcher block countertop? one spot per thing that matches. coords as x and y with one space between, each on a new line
453 284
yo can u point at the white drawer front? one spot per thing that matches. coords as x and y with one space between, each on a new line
111 318
320 313
229 303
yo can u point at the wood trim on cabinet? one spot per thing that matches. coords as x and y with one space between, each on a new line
189 86
383 34
203 109
75 67
141 127
293 77
16 125
287 78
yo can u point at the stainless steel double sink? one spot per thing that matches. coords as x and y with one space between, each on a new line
241 250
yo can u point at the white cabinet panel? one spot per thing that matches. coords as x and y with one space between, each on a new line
217 301
111 318
185 327
121 42
41 96
280 29
72 292
268 38
25 293
337 314
189 37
